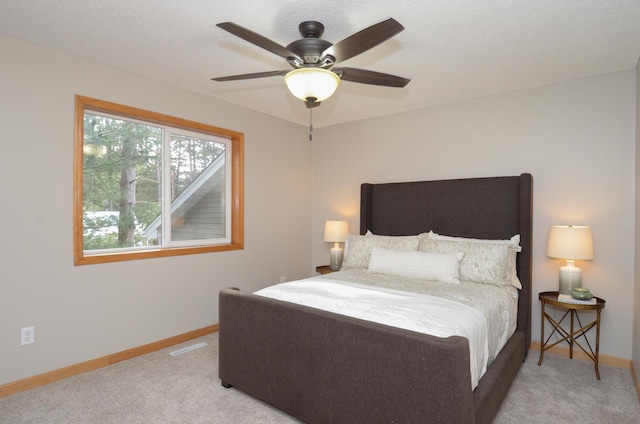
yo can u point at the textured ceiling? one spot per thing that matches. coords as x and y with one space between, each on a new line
450 49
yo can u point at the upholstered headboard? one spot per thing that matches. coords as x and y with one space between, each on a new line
487 208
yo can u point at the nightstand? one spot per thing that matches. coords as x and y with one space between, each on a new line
324 269
571 337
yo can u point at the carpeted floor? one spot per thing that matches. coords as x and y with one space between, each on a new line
160 388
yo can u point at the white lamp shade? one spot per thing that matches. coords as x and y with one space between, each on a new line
336 231
570 242
317 83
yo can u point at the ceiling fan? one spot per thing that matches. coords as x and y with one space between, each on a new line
314 77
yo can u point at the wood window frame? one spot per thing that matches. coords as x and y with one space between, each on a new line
83 104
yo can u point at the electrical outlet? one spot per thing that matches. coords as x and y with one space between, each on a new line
283 279
27 335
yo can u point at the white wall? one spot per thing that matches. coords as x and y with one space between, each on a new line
576 138
81 313
636 295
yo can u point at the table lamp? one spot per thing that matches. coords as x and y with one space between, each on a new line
570 242
336 232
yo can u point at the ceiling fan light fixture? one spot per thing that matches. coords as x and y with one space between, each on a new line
318 83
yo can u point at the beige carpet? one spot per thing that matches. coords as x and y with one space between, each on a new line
160 388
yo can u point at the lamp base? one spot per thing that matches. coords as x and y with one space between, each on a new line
570 278
335 262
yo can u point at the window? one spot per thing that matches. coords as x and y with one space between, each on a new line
149 185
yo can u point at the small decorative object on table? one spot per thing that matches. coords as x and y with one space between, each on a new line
567 298
581 293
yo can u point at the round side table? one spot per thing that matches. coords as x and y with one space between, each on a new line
571 336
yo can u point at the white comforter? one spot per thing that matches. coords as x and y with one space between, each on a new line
412 311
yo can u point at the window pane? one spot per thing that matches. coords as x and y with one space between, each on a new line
121 181
198 188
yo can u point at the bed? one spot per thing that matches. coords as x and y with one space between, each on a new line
323 367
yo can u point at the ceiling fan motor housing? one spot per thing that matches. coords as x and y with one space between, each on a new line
309 49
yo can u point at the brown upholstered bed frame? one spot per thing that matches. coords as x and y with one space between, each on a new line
326 368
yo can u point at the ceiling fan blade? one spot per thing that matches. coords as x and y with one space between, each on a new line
251 76
363 40
257 39
364 76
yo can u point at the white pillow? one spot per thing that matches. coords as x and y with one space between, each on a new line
430 266
485 261
514 241
357 249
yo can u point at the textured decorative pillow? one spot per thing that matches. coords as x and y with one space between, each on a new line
485 261
357 249
413 264
513 241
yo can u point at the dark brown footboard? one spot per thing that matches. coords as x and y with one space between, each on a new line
327 368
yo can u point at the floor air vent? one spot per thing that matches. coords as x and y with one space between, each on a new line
188 349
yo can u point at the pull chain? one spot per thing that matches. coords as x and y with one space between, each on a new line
310 124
